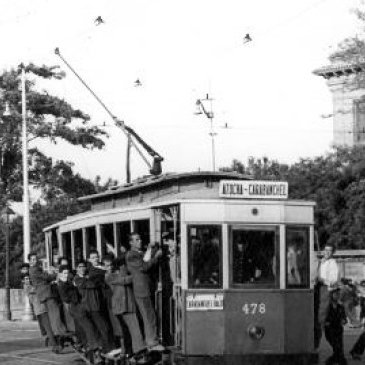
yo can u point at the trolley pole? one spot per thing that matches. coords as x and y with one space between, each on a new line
27 313
210 115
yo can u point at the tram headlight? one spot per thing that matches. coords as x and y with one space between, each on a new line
256 332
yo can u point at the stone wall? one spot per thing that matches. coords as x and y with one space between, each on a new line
16 302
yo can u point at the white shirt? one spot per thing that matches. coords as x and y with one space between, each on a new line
329 272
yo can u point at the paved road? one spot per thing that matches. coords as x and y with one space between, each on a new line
20 344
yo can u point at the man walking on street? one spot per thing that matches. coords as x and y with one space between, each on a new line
327 278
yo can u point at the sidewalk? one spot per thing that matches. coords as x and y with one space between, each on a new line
22 344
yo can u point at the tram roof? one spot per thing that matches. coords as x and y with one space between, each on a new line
154 181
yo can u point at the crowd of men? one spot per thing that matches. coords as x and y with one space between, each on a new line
95 308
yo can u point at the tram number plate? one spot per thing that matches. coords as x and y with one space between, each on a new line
254 308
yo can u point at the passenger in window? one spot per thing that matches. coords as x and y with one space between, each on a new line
172 255
244 266
206 259
292 265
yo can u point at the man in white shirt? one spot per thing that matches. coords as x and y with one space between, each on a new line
327 278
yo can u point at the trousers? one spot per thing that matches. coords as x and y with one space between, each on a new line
84 326
149 320
359 346
54 315
334 336
131 321
44 322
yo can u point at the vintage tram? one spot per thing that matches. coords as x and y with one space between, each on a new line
235 285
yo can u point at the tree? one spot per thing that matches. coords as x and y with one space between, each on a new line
51 118
352 49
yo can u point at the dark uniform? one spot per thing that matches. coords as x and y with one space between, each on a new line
333 329
70 295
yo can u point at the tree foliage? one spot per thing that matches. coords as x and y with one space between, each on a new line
352 49
52 118
48 117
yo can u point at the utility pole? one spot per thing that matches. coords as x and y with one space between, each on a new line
27 313
201 109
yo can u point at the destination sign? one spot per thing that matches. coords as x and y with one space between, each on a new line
254 189
203 302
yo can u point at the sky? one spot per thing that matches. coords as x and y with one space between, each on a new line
263 91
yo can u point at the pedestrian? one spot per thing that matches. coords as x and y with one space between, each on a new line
123 304
334 322
141 288
327 277
70 295
42 281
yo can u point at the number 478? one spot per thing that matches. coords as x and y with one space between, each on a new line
253 308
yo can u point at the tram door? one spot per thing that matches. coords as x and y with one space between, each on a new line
169 303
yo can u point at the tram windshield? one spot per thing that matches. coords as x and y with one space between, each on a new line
253 256
205 256
297 252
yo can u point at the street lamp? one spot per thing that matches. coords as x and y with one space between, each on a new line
201 109
6 215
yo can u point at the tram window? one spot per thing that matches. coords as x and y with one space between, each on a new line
54 248
142 227
297 249
205 256
78 245
90 239
107 239
253 256
66 242
124 230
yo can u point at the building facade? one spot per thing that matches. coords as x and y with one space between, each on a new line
347 84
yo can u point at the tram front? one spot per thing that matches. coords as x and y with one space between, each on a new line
246 282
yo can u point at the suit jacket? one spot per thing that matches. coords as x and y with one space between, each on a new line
139 271
38 307
90 295
122 300
42 283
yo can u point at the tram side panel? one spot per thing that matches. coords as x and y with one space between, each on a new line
250 323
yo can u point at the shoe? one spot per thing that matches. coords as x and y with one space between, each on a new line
114 353
142 359
157 347
355 356
56 349
97 357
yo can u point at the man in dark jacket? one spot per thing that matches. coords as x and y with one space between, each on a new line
141 287
42 283
40 310
334 322
91 301
70 295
